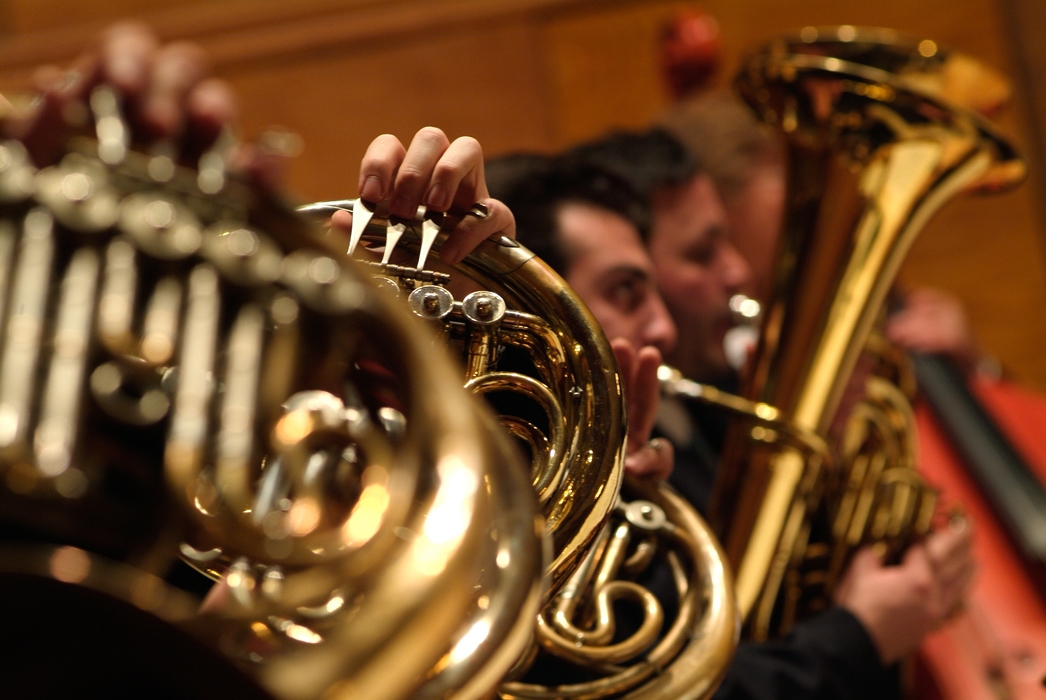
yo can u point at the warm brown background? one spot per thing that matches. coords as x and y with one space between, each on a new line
540 74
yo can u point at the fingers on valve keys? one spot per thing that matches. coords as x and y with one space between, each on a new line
165 94
442 175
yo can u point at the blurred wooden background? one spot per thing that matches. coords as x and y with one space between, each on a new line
541 74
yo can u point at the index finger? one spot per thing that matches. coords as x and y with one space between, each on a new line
646 394
379 166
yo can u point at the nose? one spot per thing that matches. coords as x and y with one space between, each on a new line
735 271
660 330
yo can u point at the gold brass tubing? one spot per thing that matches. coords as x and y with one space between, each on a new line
688 662
594 653
55 438
535 335
775 553
500 623
548 479
900 413
674 384
116 306
538 443
24 330
480 346
160 327
281 356
601 631
190 422
611 561
866 488
235 439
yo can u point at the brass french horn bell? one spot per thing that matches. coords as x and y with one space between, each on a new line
524 315
188 369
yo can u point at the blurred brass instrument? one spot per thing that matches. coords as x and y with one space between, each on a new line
188 368
881 131
526 337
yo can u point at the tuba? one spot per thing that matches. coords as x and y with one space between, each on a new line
524 338
881 132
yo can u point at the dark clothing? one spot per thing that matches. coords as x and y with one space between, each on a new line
829 656
826 657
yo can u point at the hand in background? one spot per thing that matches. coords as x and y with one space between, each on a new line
442 175
166 91
933 321
645 457
899 605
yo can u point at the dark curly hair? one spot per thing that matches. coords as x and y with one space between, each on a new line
536 186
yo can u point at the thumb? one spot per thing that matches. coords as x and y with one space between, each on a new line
865 560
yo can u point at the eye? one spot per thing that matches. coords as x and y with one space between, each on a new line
626 294
702 254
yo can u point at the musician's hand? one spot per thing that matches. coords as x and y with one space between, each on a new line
932 321
165 89
950 551
899 605
442 175
644 457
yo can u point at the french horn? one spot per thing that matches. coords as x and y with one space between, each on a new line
525 333
880 134
190 370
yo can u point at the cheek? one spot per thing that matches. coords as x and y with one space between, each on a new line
610 320
683 283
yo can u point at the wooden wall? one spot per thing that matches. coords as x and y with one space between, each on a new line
540 74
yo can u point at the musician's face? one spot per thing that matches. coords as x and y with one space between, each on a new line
754 215
611 271
698 270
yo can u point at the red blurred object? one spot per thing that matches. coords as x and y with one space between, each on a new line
690 51
997 647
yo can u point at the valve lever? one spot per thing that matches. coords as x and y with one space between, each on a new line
429 231
361 216
393 232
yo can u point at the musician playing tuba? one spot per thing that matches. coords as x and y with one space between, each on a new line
882 612
170 100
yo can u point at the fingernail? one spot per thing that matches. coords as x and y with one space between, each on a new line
371 190
437 197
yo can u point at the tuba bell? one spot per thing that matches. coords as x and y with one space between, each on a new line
880 133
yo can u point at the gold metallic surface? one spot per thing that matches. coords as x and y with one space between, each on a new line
577 444
183 360
879 136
